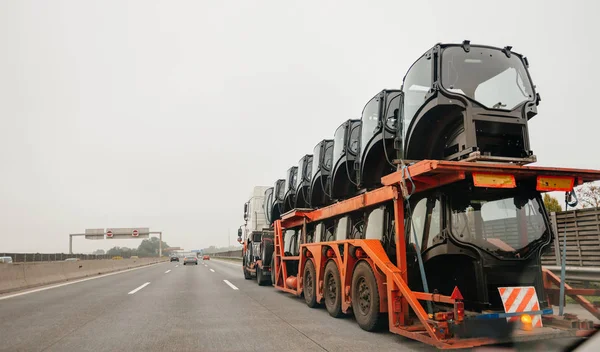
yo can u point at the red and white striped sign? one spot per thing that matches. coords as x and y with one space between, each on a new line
521 299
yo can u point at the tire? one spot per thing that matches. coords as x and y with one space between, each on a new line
332 290
247 275
262 281
309 287
365 298
273 270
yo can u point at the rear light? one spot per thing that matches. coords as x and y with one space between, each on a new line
459 311
526 322
443 316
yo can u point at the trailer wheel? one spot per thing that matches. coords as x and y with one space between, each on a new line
247 275
332 290
262 281
365 298
308 284
273 270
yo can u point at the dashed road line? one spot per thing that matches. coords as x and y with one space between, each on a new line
139 288
212 270
168 271
230 285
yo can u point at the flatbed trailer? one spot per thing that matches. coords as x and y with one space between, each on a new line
357 275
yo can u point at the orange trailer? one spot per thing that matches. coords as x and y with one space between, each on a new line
354 273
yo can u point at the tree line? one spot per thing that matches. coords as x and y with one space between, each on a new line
148 248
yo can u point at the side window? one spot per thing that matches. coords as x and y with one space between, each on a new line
435 228
418 221
288 241
426 221
318 233
392 111
375 224
341 230
370 120
353 141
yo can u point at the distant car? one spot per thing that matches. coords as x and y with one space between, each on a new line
190 260
6 260
72 259
135 257
174 259
206 257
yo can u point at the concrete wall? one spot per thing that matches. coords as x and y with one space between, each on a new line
18 276
231 254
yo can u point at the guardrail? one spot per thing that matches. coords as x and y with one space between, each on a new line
51 257
573 273
20 276
228 254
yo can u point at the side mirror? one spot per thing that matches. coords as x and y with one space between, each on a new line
245 211
239 232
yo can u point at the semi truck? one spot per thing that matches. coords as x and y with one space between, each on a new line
424 215
257 239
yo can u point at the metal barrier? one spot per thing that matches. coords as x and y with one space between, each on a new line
51 257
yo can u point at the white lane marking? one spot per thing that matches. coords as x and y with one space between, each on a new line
212 270
139 288
168 271
177 266
230 285
206 265
74 282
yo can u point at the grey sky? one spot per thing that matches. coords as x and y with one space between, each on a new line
165 114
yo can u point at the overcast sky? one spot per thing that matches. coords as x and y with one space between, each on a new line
166 114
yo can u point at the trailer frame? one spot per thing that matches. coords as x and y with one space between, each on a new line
395 295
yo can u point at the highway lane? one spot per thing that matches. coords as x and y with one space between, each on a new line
171 307
344 334
35 321
316 324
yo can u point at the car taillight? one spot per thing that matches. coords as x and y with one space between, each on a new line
459 311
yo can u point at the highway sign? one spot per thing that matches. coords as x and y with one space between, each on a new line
195 250
121 233
94 234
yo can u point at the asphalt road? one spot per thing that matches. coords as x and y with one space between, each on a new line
171 307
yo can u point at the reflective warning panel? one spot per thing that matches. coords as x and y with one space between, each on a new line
521 300
484 179
555 183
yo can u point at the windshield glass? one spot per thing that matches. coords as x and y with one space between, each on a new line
502 224
338 142
416 85
315 160
370 119
487 76
299 179
279 190
308 166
